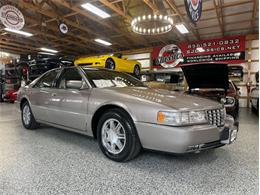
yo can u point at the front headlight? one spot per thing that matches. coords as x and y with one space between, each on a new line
230 100
181 118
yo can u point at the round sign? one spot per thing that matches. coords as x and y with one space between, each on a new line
170 56
194 9
11 17
63 28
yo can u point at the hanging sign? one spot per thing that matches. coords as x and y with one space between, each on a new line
230 50
193 9
63 28
11 17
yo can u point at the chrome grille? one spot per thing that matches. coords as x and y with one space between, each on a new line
216 117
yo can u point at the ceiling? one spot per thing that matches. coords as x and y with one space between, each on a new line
219 18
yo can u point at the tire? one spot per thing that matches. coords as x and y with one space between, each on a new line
110 64
255 110
28 119
136 71
107 138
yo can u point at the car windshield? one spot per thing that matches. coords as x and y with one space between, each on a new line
106 78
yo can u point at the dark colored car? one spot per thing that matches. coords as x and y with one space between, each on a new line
211 81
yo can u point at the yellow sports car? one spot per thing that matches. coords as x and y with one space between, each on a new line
114 62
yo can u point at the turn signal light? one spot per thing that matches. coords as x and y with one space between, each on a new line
160 117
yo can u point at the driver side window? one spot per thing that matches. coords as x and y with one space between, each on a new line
71 79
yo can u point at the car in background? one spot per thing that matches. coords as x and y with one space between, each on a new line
211 80
255 95
10 96
112 62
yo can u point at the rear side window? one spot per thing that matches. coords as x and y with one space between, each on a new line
47 80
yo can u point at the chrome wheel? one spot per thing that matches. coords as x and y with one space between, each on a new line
113 136
26 115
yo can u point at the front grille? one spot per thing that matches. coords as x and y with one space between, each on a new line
216 117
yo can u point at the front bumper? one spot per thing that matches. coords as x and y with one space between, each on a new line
188 138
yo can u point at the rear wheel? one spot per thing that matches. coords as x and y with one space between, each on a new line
110 64
117 136
28 119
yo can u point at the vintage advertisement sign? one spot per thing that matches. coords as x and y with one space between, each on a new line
194 9
229 50
11 17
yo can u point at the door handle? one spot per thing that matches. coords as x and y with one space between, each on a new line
53 94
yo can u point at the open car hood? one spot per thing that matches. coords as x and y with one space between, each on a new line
206 75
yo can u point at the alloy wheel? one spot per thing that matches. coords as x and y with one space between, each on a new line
113 136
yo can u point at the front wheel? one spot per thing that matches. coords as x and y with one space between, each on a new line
117 136
28 119
110 64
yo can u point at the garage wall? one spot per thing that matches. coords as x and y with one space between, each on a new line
250 67
143 58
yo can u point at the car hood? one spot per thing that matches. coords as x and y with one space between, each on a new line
206 75
171 99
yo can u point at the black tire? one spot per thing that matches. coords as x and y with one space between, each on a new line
255 110
32 124
137 71
132 145
110 64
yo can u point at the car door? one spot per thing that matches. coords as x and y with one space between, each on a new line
69 100
40 94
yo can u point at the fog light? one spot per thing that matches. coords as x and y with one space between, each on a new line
233 135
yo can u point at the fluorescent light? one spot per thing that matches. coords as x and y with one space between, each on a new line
46 53
95 10
49 50
103 42
182 28
200 49
19 32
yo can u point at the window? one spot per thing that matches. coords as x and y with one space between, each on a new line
105 78
71 78
47 80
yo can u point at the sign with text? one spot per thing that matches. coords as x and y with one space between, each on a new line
230 50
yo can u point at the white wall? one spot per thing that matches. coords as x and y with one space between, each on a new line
143 58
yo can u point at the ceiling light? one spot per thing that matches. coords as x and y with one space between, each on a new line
182 28
152 24
200 49
49 50
19 32
95 10
46 53
103 42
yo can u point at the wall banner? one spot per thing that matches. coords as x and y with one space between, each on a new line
230 50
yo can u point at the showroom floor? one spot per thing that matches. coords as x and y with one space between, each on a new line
52 161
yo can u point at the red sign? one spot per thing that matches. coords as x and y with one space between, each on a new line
230 50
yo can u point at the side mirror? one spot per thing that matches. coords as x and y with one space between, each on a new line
74 84
47 85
